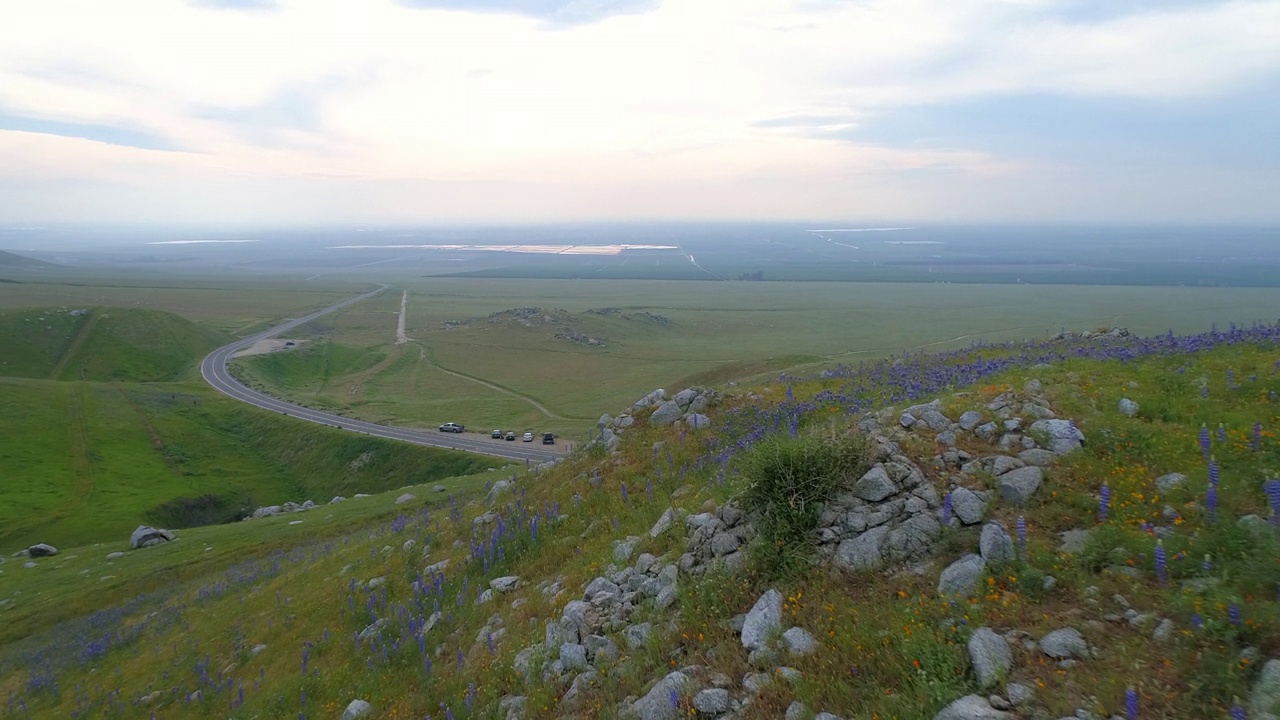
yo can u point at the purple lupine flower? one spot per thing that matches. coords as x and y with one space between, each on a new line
304 659
946 509
1222 433
1131 704
1207 565
490 640
790 397
1211 502
615 524
625 497
1271 489
1162 575
1204 439
1104 502
461 659
1197 622
1233 614
1256 441
471 695
1213 473
675 694
1237 712
649 488
1022 536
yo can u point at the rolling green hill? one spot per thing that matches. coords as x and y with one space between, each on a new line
124 344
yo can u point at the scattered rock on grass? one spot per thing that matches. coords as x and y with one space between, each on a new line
357 709
764 619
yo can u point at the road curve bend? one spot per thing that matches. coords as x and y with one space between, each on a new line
214 370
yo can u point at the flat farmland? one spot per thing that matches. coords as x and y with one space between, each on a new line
673 333
235 306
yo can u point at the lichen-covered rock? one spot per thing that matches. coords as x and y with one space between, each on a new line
961 576
1064 643
1017 486
667 413
971 707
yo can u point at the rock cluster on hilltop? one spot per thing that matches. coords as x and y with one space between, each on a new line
686 409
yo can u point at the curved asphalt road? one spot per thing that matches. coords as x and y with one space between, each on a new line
214 370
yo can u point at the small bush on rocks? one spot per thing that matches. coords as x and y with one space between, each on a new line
788 480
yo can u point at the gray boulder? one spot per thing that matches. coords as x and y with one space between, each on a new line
865 552
1017 486
697 421
1265 696
42 550
1063 435
875 485
914 538
663 523
685 397
407 497
637 635
146 536
970 420
656 704
357 709
505 584
971 707
1064 643
936 421
967 506
989 653
764 619
799 641
961 576
1038 457
995 545
667 413
1128 407
712 702
573 657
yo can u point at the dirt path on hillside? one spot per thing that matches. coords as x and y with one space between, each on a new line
74 348
401 338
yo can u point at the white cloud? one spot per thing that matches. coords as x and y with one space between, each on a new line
646 114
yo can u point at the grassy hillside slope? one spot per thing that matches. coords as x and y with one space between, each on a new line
126 344
87 462
361 608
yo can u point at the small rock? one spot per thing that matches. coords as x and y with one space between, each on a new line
764 619
42 550
967 506
995 545
1265 696
799 641
357 709
656 704
1017 486
506 584
573 656
1073 541
875 485
1064 643
1165 483
146 536
971 707
1128 407
663 523
407 497
961 576
1018 694
989 653
712 702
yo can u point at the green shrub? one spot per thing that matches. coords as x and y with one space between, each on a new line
787 482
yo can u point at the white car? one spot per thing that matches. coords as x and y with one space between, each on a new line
528 437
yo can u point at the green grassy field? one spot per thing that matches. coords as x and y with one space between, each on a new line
718 332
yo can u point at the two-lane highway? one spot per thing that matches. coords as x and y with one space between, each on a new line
214 370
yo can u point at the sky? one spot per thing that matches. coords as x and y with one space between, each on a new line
297 113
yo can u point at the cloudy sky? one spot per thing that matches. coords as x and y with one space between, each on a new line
243 113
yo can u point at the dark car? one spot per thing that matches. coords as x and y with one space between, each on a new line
548 439
497 435
451 427
511 435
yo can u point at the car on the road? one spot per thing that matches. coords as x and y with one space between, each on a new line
548 439
528 437
511 435
496 435
451 427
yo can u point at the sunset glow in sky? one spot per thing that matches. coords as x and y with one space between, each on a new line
242 113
